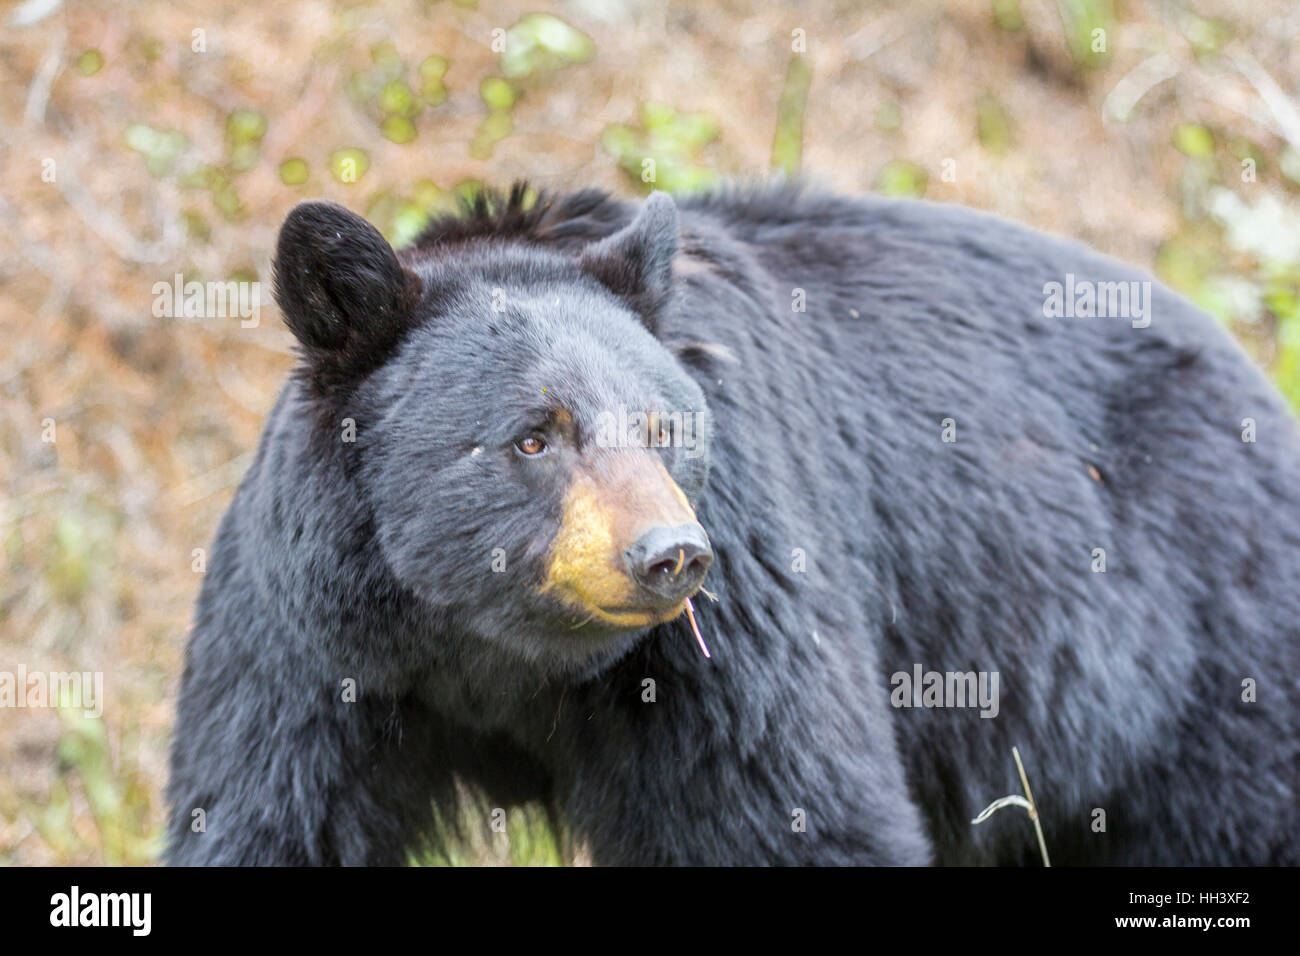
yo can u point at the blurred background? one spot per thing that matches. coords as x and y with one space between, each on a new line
143 139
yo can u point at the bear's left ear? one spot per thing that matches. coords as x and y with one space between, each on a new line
636 263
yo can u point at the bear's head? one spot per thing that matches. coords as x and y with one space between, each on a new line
528 452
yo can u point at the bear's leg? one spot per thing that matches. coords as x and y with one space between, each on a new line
302 777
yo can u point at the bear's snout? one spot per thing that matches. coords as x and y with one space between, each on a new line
629 550
669 563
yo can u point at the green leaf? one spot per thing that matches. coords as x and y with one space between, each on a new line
432 71
497 93
542 42
397 129
90 63
161 149
1193 139
349 165
294 172
787 143
397 99
1007 15
245 126
902 178
992 124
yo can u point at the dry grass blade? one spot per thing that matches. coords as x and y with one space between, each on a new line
695 628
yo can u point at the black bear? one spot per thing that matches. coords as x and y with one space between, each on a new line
929 484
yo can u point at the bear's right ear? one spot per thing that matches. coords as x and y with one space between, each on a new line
340 287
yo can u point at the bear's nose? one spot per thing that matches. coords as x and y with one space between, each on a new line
670 562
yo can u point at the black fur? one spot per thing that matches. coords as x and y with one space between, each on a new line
371 560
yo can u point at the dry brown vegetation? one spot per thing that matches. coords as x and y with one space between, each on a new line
167 160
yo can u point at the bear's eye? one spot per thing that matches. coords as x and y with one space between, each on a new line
531 445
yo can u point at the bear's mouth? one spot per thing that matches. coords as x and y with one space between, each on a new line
635 615
586 611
